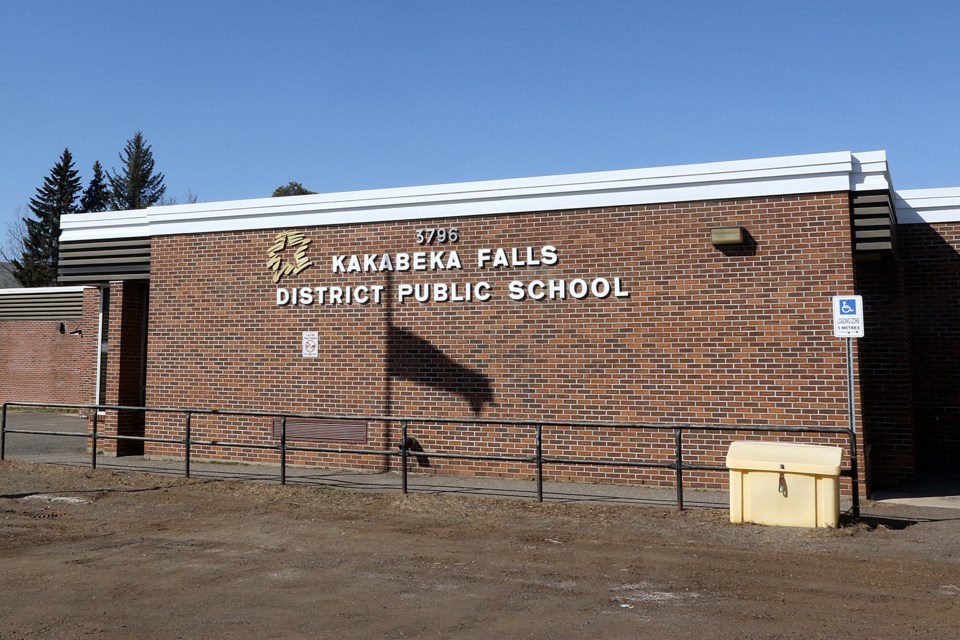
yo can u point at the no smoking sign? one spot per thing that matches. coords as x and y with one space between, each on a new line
311 344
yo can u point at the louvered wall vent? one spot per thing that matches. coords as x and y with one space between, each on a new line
321 430
53 303
874 224
102 261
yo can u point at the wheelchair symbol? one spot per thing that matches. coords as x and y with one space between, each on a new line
848 307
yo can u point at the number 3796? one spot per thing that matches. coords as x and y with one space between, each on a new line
438 236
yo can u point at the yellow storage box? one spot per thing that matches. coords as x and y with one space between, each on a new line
784 484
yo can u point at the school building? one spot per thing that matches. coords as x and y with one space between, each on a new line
696 294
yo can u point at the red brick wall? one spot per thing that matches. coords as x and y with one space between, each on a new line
932 275
737 337
39 364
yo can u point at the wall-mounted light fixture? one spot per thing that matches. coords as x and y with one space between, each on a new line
77 332
725 236
62 328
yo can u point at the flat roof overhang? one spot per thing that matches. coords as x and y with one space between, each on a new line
115 245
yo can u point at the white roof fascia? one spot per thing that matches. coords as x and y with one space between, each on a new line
814 173
105 225
915 206
870 172
42 290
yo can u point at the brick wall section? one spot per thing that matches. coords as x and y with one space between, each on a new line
885 382
742 337
91 315
88 384
932 271
128 303
39 364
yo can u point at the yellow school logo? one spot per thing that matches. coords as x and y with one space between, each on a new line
284 241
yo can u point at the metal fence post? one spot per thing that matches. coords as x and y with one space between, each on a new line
283 450
403 456
186 446
93 442
678 460
540 463
3 433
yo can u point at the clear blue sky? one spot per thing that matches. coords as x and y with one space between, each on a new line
239 98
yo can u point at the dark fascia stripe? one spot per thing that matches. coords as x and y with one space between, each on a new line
109 267
101 261
107 244
93 280
37 315
41 306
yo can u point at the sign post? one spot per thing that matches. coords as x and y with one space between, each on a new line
848 324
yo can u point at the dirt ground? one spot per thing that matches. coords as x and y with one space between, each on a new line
132 555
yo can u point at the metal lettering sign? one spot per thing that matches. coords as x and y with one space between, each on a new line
470 274
848 316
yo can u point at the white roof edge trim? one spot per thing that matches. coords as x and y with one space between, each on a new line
41 290
784 175
870 171
109 224
918 206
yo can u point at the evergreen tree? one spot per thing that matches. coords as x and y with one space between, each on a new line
137 187
292 189
37 265
96 197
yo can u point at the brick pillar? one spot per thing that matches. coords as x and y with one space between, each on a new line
124 379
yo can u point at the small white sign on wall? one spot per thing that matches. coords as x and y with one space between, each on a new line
311 344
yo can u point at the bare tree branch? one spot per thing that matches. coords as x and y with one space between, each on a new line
11 244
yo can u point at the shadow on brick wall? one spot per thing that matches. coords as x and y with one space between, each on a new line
886 394
932 285
411 357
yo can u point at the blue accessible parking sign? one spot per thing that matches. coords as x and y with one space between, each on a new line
848 316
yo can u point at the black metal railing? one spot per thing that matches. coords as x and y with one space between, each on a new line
403 450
